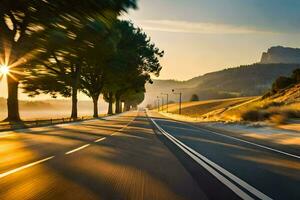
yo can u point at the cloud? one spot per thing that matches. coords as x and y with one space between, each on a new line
196 27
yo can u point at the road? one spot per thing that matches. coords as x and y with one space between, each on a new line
117 158
245 169
140 155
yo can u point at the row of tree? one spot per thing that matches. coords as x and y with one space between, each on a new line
62 47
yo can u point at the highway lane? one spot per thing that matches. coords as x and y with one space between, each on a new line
117 158
250 171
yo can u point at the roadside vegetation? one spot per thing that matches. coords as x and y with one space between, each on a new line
199 109
51 47
280 105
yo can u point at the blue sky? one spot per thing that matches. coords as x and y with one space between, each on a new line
201 36
265 14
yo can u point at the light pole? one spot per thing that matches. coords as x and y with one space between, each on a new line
180 99
162 103
158 106
167 100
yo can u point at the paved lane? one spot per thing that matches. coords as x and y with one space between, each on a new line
120 158
249 170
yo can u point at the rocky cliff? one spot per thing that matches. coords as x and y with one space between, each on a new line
281 54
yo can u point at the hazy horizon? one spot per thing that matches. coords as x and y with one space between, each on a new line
200 36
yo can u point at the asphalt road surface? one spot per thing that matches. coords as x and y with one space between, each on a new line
135 156
245 169
117 158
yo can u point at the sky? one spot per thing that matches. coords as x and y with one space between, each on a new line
201 36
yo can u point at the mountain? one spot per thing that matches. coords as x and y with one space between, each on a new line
247 80
281 54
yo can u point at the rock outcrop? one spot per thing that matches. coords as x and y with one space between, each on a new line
281 54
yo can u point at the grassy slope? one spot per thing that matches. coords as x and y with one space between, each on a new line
279 106
200 108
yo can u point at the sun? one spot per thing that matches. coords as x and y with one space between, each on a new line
4 70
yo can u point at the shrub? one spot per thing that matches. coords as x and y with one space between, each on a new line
281 83
279 118
149 106
272 104
296 75
292 113
254 116
194 98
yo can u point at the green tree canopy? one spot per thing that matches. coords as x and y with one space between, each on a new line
22 21
136 59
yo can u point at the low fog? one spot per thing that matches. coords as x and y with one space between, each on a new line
47 109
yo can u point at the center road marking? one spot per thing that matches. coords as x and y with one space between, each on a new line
215 169
51 157
25 167
77 149
98 140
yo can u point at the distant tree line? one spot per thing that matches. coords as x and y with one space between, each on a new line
62 47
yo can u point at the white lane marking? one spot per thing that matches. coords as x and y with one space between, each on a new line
84 146
241 140
77 149
100 139
224 180
25 167
11 133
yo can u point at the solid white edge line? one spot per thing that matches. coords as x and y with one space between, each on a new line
254 144
225 172
25 166
77 149
241 140
100 139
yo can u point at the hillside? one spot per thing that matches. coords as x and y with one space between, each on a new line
276 108
248 80
200 108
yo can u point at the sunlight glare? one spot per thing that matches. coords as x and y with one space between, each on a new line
4 69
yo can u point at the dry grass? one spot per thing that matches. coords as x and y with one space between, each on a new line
274 114
253 109
200 108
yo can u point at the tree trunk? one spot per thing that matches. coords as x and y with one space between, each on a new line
118 107
75 84
126 106
110 104
95 101
12 101
74 114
